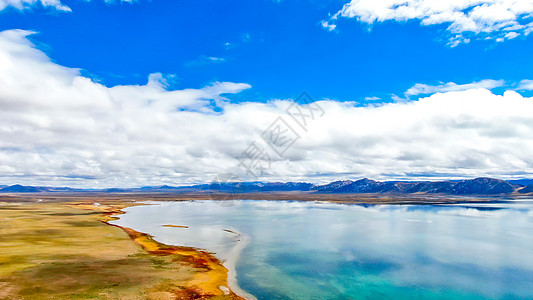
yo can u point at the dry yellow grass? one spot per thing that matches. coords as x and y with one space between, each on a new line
63 250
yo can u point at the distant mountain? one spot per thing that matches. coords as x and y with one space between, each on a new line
364 185
17 188
484 186
334 186
524 182
427 187
527 189
161 188
478 186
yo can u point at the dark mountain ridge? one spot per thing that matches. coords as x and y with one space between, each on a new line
478 186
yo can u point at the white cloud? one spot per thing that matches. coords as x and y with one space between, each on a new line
205 60
526 85
501 19
456 40
511 35
215 59
24 4
328 26
424 89
54 4
374 98
55 122
60 128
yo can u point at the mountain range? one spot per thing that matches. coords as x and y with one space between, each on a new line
478 186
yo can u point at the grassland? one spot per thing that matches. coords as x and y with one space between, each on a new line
63 249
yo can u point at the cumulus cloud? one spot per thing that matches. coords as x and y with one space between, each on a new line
55 122
60 128
485 19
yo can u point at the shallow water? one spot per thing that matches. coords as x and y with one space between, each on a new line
309 250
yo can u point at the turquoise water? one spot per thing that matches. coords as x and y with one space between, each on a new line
309 250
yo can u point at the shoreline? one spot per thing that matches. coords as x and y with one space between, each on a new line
149 244
370 199
231 263
70 244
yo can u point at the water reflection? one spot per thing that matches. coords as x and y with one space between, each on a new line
306 250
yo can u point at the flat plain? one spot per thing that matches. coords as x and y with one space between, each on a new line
61 248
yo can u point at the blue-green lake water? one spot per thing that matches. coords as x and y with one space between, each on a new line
310 250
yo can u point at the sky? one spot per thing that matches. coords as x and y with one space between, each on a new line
138 93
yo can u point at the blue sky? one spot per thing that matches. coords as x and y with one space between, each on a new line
133 93
280 48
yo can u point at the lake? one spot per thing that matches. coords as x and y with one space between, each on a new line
319 250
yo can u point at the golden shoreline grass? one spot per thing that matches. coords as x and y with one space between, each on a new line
66 250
